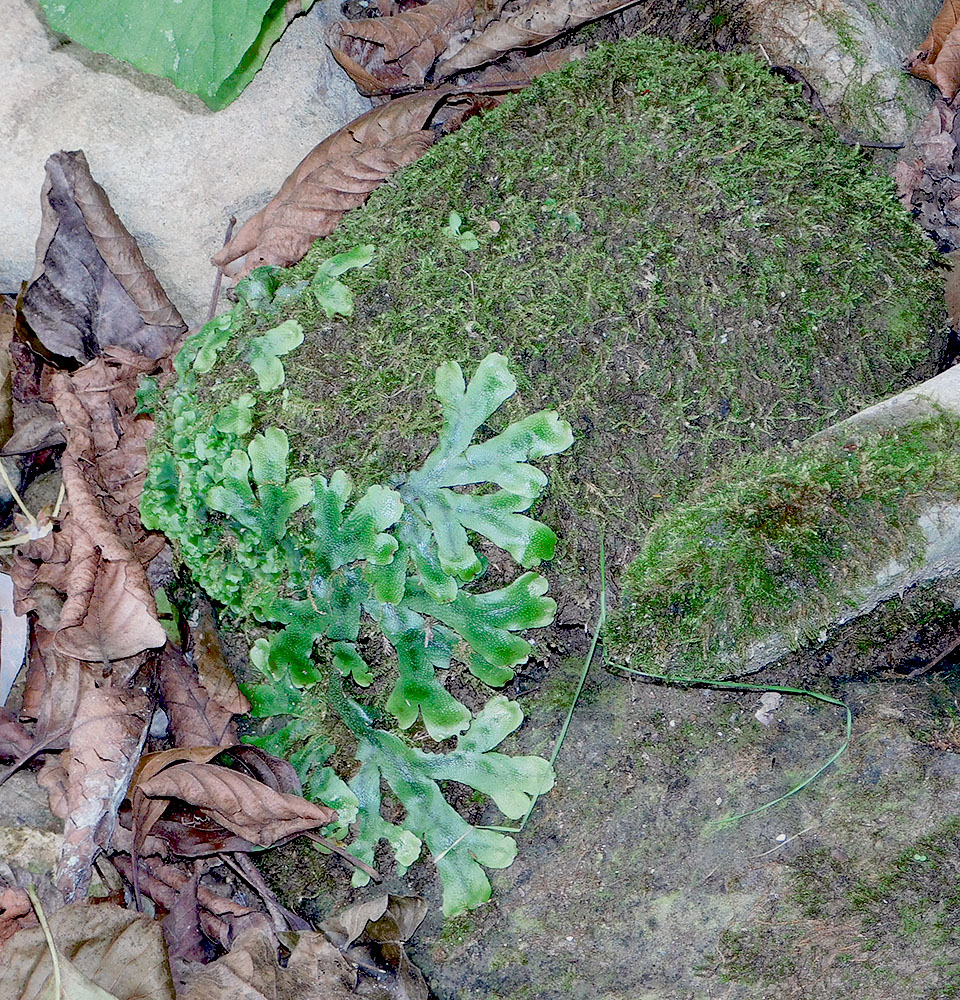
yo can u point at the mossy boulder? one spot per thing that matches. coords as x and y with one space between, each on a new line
674 252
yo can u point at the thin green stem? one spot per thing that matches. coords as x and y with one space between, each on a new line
558 746
738 686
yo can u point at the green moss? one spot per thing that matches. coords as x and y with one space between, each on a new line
741 278
456 930
773 548
865 921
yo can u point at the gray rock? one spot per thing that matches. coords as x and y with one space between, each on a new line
174 170
852 52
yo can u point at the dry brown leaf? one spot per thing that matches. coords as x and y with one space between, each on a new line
16 912
35 421
8 320
194 824
91 288
938 58
119 950
237 802
523 26
52 777
934 141
107 617
519 71
97 557
181 926
51 695
397 52
105 745
15 740
334 177
315 970
372 935
221 919
196 718
212 670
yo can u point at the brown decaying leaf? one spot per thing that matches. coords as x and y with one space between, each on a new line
938 58
335 176
397 52
221 919
372 935
98 556
237 802
105 745
119 950
181 926
51 695
360 953
269 794
315 970
35 422
16 912
533 23
8 320
15 740
196 718
107 616
91 288
212 670
517 72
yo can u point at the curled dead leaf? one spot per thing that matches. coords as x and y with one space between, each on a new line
16 911
197 716
372 935
360 953
315 970
15 739
106 741
91 287
938 58
51 695
395 53
237 802
212 670
517 72
260 807
96 559
522 26
221 919
334 177
118 950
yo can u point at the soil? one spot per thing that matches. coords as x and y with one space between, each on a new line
627 885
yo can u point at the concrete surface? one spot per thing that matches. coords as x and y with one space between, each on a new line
173 169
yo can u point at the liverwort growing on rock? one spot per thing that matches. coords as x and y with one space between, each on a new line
330 567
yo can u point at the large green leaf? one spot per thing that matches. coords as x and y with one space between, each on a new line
439 511
212 48
460 851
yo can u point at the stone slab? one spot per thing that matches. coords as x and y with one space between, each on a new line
174 170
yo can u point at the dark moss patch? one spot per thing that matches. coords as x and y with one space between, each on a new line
675 253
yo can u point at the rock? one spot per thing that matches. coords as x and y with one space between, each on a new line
174 170
852 52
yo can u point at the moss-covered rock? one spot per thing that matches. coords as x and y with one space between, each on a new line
674 252
760 561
